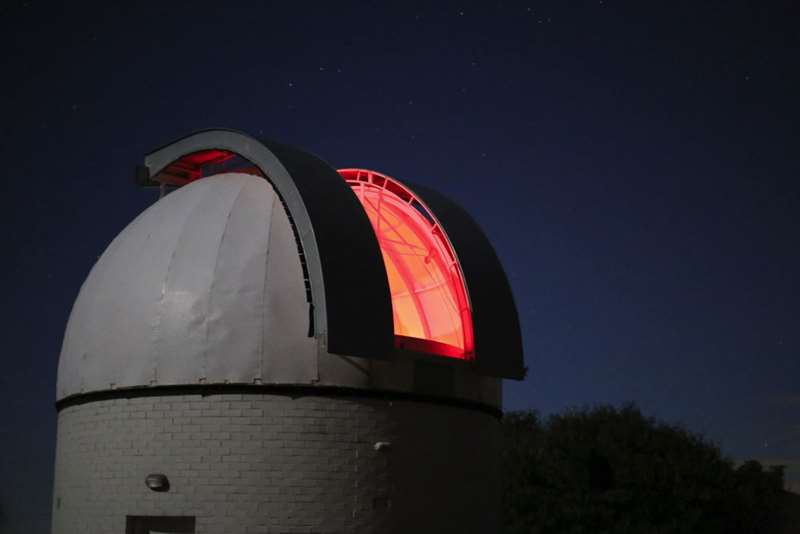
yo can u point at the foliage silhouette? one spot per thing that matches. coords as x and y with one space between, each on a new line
609 470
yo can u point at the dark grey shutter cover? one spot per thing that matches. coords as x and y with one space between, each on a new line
359 306
498 340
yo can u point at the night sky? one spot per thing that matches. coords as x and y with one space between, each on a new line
636 166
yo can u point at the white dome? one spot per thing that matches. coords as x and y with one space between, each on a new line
204 287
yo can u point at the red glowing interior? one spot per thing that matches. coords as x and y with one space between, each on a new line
196 165
429 297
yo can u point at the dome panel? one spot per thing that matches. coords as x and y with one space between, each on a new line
320 204
240 284
182 333
117 305
187 294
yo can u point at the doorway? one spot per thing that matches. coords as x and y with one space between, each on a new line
148 524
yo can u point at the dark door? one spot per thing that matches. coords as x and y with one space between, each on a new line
144 524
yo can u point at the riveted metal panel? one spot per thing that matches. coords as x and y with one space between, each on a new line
181 333
182 295
114 317
236 297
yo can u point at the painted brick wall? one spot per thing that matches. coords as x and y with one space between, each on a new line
255 463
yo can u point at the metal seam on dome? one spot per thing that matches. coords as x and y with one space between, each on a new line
160 304
214 277
295 231
263 321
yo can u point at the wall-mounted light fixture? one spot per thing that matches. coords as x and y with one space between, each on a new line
157 482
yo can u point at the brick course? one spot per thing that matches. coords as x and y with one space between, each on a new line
273 463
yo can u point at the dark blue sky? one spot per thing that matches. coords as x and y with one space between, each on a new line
636 165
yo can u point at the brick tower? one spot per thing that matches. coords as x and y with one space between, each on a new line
277 346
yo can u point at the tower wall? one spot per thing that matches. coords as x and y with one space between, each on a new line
239 337
277 462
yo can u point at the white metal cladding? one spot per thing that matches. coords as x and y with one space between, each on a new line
205 286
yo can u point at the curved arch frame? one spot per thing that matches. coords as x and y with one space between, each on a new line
321 205
498 338
393 186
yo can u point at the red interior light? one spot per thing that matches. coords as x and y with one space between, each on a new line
205 157
196 165
429 297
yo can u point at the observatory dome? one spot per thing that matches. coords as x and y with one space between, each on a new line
265 266
205 286
279 345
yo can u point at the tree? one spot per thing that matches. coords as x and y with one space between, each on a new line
608 470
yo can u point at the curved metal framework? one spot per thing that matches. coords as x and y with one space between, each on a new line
498 339
351 303
429 297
